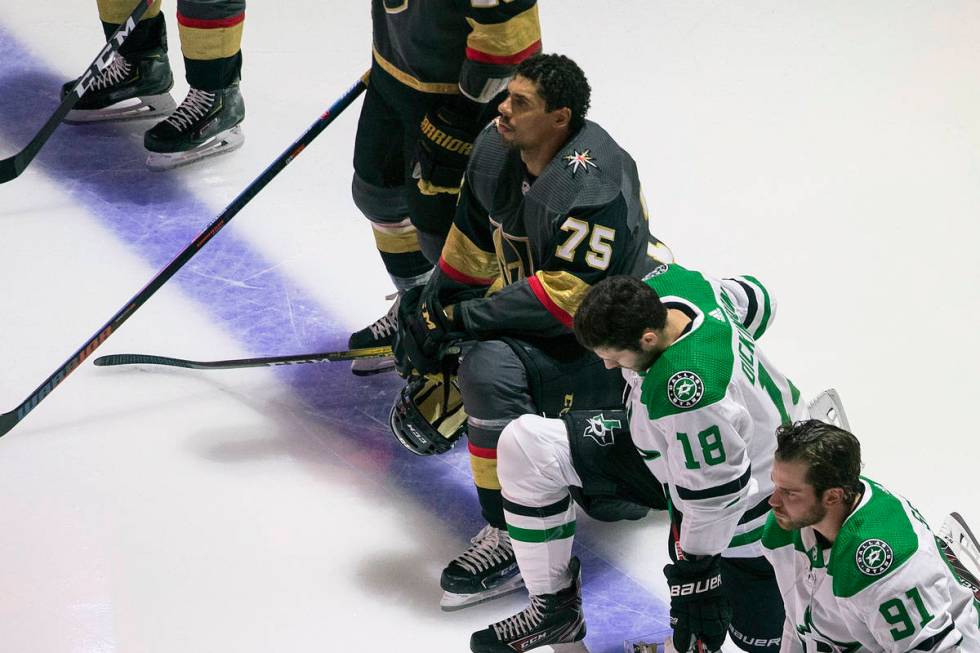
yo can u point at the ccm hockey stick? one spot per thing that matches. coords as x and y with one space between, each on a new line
11 419
11 167
270 361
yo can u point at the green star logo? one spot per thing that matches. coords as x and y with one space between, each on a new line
685 389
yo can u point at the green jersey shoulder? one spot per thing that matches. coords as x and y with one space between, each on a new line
696 369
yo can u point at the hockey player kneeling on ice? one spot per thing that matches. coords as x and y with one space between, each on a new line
704 404
858 567
549 205
138 81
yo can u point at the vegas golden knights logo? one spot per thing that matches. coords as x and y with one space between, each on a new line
513 254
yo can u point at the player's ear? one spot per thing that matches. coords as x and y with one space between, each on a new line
648 340
562 117
833 497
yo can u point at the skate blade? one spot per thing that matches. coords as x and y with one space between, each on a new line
227 141
573 647
451 601
372 366
149 106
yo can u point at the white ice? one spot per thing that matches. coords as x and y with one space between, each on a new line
830 149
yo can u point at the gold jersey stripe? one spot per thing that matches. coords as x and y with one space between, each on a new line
399 240
484 472
210 44
463 255
408 80
503 39
116 11
565 289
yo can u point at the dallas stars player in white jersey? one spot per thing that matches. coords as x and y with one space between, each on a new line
858 567
704 406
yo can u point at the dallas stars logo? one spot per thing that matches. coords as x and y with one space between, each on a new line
600 429
685 389
874 557
578 160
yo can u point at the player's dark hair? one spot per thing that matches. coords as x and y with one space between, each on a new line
616 312
561 83
832 455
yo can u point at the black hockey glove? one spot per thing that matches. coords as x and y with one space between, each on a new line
424 331
698 608
445 142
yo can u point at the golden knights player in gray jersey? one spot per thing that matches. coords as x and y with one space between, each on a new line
550 205
437 64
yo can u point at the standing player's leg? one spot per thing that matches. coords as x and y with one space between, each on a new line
138 81
379 192
208 121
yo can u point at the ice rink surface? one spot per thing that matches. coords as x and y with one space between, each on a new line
831 149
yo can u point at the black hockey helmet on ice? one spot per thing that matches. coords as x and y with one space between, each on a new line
428 416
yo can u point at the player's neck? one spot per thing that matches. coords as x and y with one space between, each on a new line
834 520
537 157
677 322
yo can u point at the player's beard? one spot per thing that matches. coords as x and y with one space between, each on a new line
813 516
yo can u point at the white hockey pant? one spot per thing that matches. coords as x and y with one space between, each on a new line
534 465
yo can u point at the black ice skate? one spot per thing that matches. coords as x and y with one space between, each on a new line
205 124
554 620
484 571
378 334
126 90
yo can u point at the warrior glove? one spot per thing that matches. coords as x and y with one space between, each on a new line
424 331
445 142
698 608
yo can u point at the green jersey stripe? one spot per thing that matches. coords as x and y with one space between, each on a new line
747 538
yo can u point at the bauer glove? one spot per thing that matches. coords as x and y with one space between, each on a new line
445 142
699 609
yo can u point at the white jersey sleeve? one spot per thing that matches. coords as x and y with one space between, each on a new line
752 303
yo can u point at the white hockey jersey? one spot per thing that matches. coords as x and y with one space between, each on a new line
883 586
704 415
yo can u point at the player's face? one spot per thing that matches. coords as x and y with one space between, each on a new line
613 358
524 120
794 501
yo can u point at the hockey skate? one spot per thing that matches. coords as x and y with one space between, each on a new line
380 333
125 90
205 124
962 551
554 620
487 569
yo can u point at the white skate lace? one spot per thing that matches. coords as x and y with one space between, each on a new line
117 71
195 105
491 546
387 324
521 623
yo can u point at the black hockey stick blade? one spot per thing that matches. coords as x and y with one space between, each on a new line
11 167
10 419
238 363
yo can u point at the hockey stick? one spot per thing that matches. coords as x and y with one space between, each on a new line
11 419
270 361
12 166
